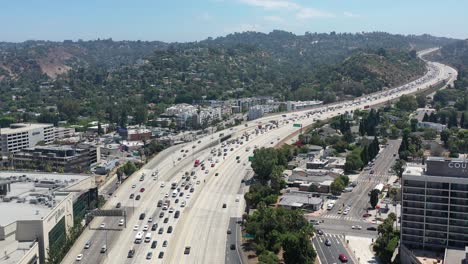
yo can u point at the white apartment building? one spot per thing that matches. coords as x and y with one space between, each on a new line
24 135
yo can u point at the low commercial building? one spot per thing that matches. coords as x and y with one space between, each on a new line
316 164
24 135
64 132
300 200
296 105
59 157
38 211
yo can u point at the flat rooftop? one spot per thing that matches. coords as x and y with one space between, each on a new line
32 195
22 127
15 250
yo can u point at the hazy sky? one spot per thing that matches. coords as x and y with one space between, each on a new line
184 20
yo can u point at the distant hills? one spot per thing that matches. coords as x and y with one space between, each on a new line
90 74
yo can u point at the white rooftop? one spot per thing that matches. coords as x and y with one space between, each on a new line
22 127
28 199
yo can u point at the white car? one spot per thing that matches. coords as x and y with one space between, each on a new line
150 219
358 227
134 186
135 228
188 196
79 257
102 225
166 195
162 184
182 204
145 228
121 222
237 199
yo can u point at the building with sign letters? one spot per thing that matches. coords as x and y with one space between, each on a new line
38 211
434 214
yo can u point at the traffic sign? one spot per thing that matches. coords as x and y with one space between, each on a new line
297 125
251 158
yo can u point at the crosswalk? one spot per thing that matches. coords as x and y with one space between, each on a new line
334 238
341 217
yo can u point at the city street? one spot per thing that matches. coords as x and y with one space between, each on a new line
329 254
218 194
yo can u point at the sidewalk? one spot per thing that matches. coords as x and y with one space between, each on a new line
361 248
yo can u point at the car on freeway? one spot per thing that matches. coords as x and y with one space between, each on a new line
121 222
182 193
103 249
132 195
327 242
166 220
134 186
142 216
216 174
192 190
162 184
166 195
237 199
358 227
142 189
161 254
169 229
145 228
150 219
118 205
149 255
187 196
135 227
131 253
164 243
229 231
372 228
161 215
187 250
154 244
176 201
224 205
182 204
154 227
176 214
343 258
160 203
232 246
103 225
88 244
137 197
79 257
161 230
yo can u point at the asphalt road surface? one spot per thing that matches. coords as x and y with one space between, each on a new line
203 221
329 254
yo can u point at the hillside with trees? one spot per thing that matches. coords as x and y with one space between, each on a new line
110 80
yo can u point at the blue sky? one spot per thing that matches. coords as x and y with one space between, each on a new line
185 20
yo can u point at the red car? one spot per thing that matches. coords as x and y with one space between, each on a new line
366 215
142 189
343 258
212 165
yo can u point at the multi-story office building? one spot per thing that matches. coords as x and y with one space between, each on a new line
76 158
19 136
434 213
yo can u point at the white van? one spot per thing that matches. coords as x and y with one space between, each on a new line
148 237
138 237
174 193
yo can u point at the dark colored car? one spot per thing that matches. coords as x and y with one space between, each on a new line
154 244
187 250
232 247
131 253
161 230
154 227
176 215
161 255
142 189
372 228
137 197
160 202
132 195
142 216
169 229
166 220
327 242
161 215
118 205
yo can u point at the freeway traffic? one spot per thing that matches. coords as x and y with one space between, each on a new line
200 233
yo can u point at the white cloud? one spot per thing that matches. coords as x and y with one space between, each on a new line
307 12
275 19
349 14
302 12
272 4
